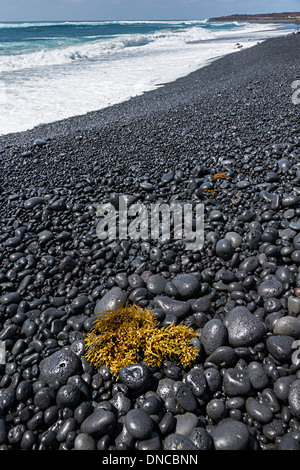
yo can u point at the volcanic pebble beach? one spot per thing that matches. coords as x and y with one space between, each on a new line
235 117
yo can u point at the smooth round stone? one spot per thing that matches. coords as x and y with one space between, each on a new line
224 249
294 398
165 388
290 201
223 356
249 264
296 241
287 325
39 143
172 307
258 411
213 237
178 442
67 264
84 442
280 347
185 423
215 214
213 379
187 285
230 434
293 304
201 438
243 184
244 329
156 284
147 186
33 202
60 366
213 335
58 205
196 380
234 238
216 409
99 423
112 300
186 398
7 398
45 236
138 423
236 383
121 403
13 242
257 375
272 305
10 298
282 386
44 398
68 396
135 376
167 177
285 275
274 429
201 305
270 288
288 442
295 256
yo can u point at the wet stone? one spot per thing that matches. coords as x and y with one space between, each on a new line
60 366
222 356
171 306
235 382
112 300
244 329
187 285
135 376
258 411
195 379
201 438
230 435
287 325
294 398
294 304
139 424
213 335
186 398
156 284
178 442
185 423
282 386
280 347
99 423
257 375
84 442
224 249
270 288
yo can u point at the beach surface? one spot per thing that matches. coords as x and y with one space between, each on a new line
226 136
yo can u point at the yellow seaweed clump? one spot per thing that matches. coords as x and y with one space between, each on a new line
219 176
131 334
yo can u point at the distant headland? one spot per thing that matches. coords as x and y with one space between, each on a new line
263 18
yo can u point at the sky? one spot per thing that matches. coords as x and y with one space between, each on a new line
76 10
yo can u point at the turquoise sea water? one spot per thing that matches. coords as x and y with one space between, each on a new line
50 71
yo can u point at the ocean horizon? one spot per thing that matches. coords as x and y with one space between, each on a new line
51 70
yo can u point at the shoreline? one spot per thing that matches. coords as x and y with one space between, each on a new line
53 127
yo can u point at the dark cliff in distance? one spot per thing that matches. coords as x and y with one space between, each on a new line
263 17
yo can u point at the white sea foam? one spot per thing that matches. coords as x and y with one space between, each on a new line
54 83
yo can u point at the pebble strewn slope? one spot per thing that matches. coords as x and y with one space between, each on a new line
241 292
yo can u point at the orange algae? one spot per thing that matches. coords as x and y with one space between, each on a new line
218 176
131 334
